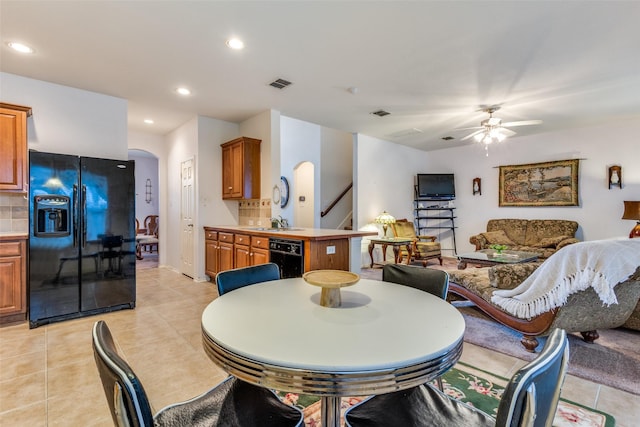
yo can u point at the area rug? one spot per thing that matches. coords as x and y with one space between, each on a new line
612 360
473 386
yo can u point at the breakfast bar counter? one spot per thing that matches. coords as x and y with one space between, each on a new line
238 246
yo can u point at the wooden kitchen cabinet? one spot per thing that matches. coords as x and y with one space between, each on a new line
259 252
13 280
241 251
211 253
225 247
13 147
241 169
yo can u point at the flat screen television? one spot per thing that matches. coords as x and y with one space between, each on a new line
436 186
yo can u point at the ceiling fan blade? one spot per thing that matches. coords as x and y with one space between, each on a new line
472 134
523 123
507 132
474 127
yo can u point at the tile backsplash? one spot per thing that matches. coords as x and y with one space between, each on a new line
14 213
255 212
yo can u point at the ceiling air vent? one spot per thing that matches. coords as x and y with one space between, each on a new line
447 138
280 83
381 113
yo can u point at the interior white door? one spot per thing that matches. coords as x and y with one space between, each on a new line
187 208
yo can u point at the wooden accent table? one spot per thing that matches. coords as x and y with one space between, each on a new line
396 242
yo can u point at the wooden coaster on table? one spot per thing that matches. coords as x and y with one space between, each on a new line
330 281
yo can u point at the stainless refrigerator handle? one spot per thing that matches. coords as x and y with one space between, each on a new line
84 216
75 215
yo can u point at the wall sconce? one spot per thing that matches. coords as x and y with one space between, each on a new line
477 186
147 191
615 176
632 211
385 219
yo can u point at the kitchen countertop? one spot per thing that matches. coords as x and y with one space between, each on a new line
12 235
293 232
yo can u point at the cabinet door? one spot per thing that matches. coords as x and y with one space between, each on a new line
237 170
12 278
241 255
212 253
13 149
225 256
259 256
227 173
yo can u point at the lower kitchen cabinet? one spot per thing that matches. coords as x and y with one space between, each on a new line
13 280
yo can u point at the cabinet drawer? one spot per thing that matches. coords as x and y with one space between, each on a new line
225 237
10 249
211 235
259 242
242 239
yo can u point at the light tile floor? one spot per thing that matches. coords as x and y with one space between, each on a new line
48 376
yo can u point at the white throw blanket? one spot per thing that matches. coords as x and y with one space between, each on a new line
600 264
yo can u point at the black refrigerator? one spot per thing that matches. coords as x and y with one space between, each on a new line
82 252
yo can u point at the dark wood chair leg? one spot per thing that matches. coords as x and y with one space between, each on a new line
590 336
530 343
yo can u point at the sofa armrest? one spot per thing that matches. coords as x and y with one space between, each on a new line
479 240
429 238
566 242
511 275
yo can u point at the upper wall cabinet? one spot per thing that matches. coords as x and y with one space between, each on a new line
241 169
13 147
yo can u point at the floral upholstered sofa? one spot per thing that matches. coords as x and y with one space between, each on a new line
544 236
586 286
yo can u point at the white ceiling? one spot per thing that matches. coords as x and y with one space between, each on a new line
429 63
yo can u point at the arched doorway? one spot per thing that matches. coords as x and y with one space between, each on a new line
147 203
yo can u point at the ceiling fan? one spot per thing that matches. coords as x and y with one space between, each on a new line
492 129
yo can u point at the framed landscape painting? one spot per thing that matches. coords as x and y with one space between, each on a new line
540 184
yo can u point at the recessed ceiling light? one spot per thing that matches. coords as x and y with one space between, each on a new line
183 91
23 48
148 121
236 44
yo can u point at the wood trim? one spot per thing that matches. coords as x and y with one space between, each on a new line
16 107
534 326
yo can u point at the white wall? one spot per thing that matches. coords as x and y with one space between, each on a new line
181 145
299 142
211 209
68 120
259 127
600 209
384 177
336 148
599 147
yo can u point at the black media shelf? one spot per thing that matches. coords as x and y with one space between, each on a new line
430 221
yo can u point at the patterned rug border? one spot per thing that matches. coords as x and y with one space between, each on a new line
609 419
570 411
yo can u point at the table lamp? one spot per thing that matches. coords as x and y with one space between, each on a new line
632 211
385 219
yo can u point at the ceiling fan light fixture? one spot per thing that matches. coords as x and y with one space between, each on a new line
501 137
478 137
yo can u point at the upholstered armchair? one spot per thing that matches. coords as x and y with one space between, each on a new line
423 247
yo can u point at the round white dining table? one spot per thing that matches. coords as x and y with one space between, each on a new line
384 337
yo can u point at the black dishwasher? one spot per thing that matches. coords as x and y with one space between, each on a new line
288 255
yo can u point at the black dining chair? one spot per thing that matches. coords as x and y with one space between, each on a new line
229 280
529 399
232 403
435 282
